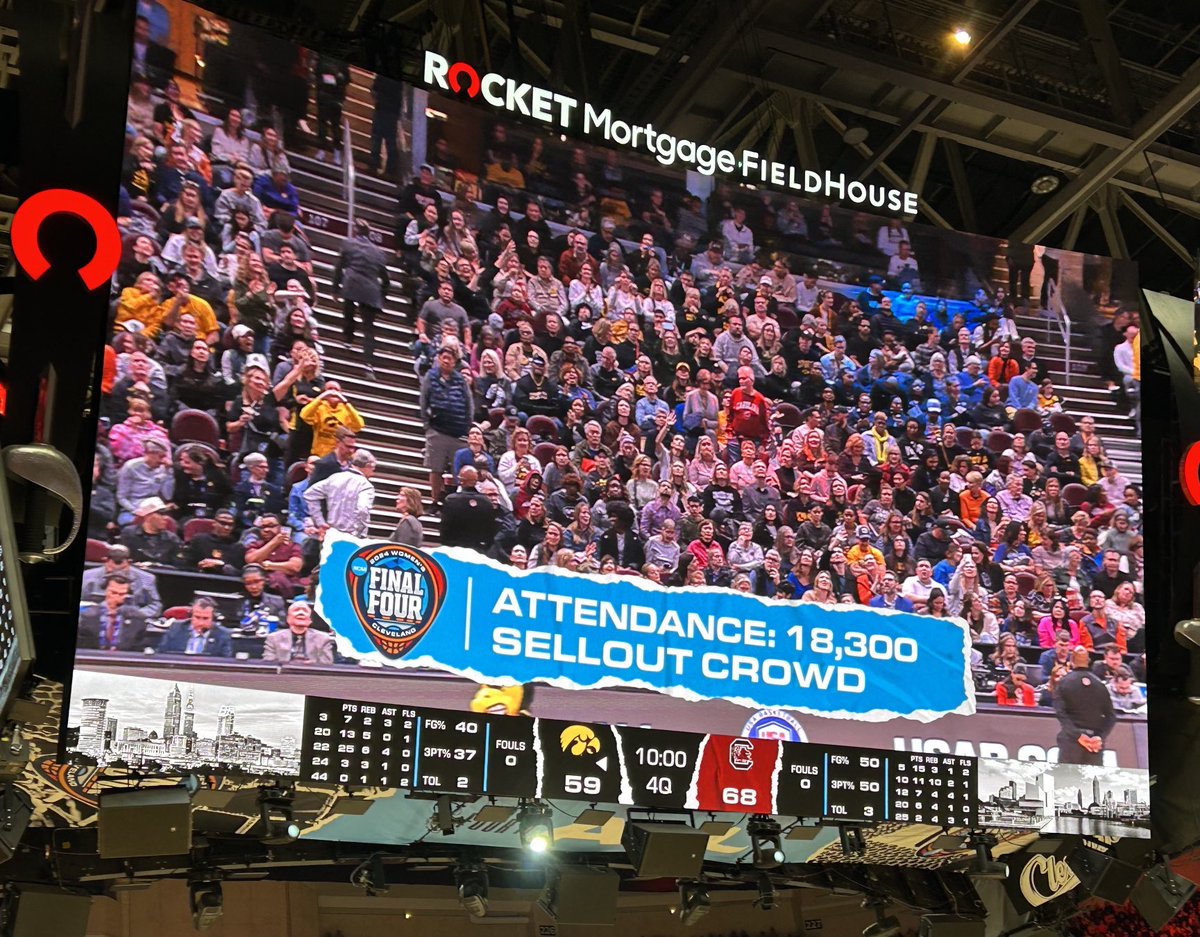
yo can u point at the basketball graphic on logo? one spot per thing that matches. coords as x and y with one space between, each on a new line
396 593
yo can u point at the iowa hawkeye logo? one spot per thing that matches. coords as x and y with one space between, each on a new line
396 592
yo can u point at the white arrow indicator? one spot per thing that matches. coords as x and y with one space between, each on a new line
602 764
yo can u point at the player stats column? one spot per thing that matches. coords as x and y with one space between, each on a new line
361 744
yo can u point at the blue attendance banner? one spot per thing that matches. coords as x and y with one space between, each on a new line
453 610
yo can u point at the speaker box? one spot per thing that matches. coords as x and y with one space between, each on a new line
1103 875
41 911
664 850
1159 895
951 925
152 821
15 811
582 895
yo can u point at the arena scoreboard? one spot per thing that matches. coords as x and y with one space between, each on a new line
444 751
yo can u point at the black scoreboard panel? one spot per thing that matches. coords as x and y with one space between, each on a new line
659 766
448 751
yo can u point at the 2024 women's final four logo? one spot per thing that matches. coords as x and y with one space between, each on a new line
396 592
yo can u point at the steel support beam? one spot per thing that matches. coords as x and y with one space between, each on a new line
1108 59
1074 227
1156 228
920 170
1106 210
863 150
1182 98
962 186
933 107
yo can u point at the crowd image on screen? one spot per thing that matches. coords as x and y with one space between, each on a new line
616 377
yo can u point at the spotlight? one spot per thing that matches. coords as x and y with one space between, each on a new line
275 812
961 36
765 841
694 902
767 896
886 925
982 867
536 828
1045 184
205 898
371 876
472 881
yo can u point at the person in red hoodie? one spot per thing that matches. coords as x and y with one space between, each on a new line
749 412
1015 690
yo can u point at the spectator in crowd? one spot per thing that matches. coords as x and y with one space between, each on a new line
298 643
217 551
150 537
143 589
360 281
115 622
344 500
199 634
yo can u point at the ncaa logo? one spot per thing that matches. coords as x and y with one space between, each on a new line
396 593
774 724
741 754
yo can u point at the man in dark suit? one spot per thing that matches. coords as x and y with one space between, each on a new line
360 282
298 643
114 624
468 517
338 460
200 635
143 590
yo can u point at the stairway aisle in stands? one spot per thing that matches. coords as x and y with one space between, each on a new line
388 402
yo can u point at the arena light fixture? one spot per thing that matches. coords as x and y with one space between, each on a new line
1045 184
765 842
205 899
961 36
694 901
536 827
472 881
982 866
275 812
371 876
768 897
886 925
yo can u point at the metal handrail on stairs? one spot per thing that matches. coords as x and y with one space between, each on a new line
348 174
1056 306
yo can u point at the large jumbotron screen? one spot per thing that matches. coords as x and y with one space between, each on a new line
446 449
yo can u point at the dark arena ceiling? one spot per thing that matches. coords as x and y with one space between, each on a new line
1101 95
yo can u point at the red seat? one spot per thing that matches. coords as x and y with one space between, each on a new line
964 435
542 428
1078 614
544 452
178 612
1062 423
195 526
998 440
1004 464
96 552
1025 583
1075 494
170 523
295 473
853 493
495 416
1026 421
195 426
789 416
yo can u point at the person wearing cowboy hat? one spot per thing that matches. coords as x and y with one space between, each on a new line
149 538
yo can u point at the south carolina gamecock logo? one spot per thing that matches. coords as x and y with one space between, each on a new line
741 754
396 592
